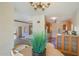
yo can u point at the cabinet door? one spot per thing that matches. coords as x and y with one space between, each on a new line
74 45
59 42
66 43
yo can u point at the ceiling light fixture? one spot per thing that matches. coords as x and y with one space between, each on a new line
54 19
40 5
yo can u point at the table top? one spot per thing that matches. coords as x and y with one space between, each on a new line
50 51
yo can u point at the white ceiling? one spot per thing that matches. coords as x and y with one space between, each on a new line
23 10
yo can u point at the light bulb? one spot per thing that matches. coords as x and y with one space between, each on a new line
53 18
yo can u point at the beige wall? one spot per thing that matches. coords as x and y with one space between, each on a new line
77 19
6 28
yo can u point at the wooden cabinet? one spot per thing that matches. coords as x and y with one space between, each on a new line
67 25
68 44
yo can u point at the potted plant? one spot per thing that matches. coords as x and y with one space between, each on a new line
39 44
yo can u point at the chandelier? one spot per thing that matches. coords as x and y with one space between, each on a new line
40 5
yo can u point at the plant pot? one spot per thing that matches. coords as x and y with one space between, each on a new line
38 54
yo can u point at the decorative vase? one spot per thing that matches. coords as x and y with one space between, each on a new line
39 35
